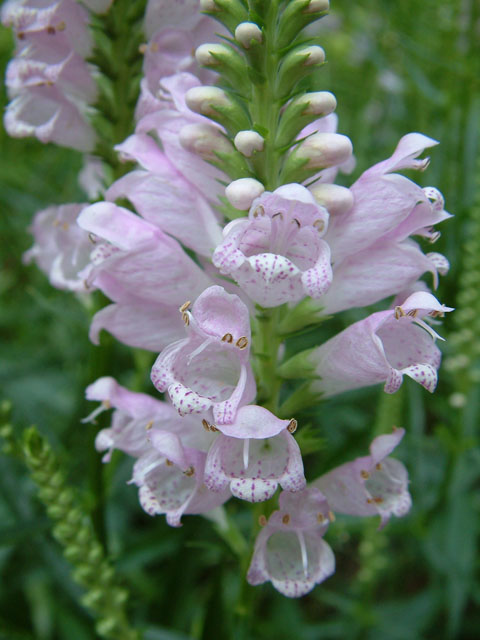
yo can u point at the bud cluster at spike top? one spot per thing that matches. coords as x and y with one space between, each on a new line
235 224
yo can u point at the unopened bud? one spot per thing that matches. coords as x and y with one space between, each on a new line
246 32
204 99
241 193
206 54
322 150
317 103
208 5
296 65
334 198
316 6
315 54
247 142
204 139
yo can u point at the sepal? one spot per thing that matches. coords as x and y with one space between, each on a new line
298 366
297 64
306 313
227 62
219 106
228 12
297 15
302 111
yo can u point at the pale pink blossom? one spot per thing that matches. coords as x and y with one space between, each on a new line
277 254
372 485
290 551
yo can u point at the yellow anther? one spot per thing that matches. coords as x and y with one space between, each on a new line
436 314
227 338
398 313
365 475
242 343
331 516
206 425
154 47
149 425
169 463
412 313
142 48
262 521
279 214
369 500
292 425
378 467
320 518
21 35
186 318
61 26
319 225
378 500
51 30
65 226
106 404
259 211
91 237
185 306
56 223
190 471
286 519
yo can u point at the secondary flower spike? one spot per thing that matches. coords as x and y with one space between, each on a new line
290 551
277 254
374 484
210 368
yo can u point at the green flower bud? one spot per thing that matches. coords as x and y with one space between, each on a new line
297 15
296 65
302 111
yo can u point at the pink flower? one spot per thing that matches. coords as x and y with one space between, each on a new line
170 478
277 255
374 484
210 368
290 551
144 271
382 348
253 455
61 248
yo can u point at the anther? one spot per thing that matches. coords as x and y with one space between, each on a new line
412 313
319 225
242 343
378 467
154 47
51 30
21 35
378 500
189 472
398 313
185 306
320 518
142 48
286 519
262 520
292 425
278 214
369 500
365 475
65 226
205 425
91 237
331 516
149 425
227 338
186 318
434 237
169 463
436 314
259 211
297 222
61 26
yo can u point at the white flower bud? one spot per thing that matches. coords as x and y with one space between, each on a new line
241 193
247 142
325 150
203 54
316 55
208 5
334 198
318 103
204 139
246 32
317 5
203 99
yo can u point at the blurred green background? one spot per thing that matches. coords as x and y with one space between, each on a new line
395 67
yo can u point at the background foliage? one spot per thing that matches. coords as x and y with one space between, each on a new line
395 67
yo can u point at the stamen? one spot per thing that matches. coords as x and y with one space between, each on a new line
205 425
331 516
319 225
259 211
185 306
434 237
142 48
149 425
279 214
262 520
154 47
51 30
242 342
320 518
286 519
292 425
186 318
303 550
436 314
378 500
169 463
398 313
65 226
246 451
91 237
297 221
365 475
227 338
21 35
378 467
189 472
56 223
412 313
61 26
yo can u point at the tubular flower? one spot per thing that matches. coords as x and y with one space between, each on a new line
277 254
290 551
210 368
372 485
253 455
382 348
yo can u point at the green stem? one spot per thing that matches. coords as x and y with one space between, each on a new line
266 344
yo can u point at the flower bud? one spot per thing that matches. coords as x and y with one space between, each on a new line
203 100
318 103
316 55
296 65
247 142
208 5
241 193
206 54
334 198
204 139
316 6
322 150
246 32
